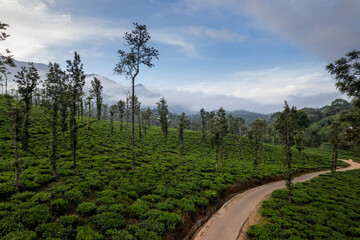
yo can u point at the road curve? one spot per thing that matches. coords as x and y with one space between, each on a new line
227 222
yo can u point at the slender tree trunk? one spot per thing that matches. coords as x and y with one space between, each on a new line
262 150
221 154
133 124
89 115
334 160
73 129
216 158
16 156
53 149
6 84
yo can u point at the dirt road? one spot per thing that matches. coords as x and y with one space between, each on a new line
227 222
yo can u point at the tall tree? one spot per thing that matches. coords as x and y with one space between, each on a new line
121 109
203 115
146 115
54 88
77 81
335 140
218 130
27 80
303 123
138 113
105 108
6 59
127 114
89 102
163 116
240 125
96 90
130 62
16 109
181 127
287 124
347 73
113 111
259 130
64 106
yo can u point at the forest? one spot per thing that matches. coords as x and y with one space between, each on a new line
74 167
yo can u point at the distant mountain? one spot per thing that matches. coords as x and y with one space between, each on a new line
112 91
179 101
249 117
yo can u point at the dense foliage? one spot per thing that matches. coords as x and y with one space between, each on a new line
102 197
324 208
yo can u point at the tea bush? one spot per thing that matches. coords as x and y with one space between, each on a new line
324 208
113 201
87 208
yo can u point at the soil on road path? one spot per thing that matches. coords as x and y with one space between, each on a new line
227 222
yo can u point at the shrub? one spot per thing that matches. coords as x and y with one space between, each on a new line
22 197
153 226
109 220
42 197
212 195
21 235
165 206
51 230
119 234
201 202
96 184
171 220
59 206
151 198
86 233
69 221
74 196
106 200
6 190
173 193
118 208
87 208
138 208
142 234
187 206
42 179
34 216
30 185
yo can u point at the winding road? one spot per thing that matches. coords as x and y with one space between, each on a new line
227 222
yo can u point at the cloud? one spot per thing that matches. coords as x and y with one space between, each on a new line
327 29
41 34
177 40
224 34
270 86
36 30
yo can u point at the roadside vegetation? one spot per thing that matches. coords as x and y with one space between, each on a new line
326 207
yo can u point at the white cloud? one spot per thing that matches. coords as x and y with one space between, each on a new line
168 38
270 86
36 31
223 34
40 34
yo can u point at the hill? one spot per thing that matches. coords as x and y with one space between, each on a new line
103 198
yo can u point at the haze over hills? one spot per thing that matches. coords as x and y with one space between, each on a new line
179 100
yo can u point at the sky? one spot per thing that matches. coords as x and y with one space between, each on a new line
239 54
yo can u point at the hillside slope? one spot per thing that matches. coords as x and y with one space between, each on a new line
103 198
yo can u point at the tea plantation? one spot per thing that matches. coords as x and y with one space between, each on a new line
104 199
324 208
